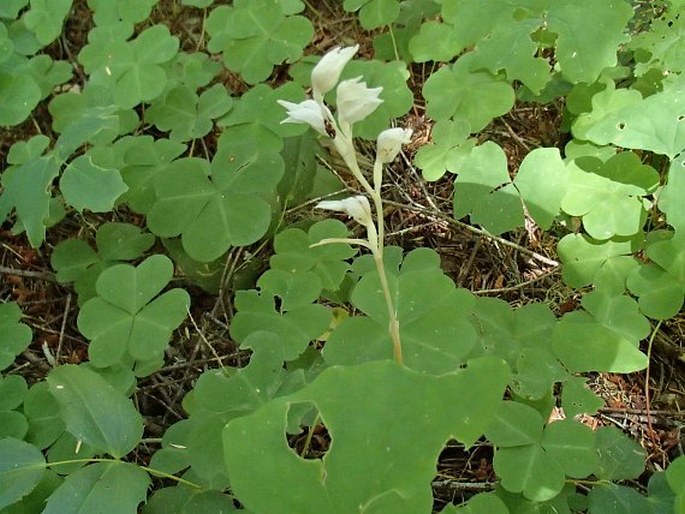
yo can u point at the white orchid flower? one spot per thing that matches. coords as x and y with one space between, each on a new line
309 112
326 73
355 101
357 207
389 143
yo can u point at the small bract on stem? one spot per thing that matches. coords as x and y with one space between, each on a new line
355 101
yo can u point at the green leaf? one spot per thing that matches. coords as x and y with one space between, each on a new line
483 190
480 503
609 196
184 500
228 208
296 327
529 470
448 151
669 200
222 395
21 468
571 445
94 411
255 35
144 159
660 285
511 49
435 41
45 18
375 449
19 94
475 97
88 186
653 123
542 181
295 253
608 498
299 155
433 317
584 344
14 336
515 424
10 8
620 457
675 474
27 189
35 501
583 257
130 11
118 485
585 49
374 13
126 319
186 115
43 413
577 398
13 389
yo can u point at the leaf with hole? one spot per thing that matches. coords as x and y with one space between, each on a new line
382 451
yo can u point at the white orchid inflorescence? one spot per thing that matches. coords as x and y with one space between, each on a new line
355 101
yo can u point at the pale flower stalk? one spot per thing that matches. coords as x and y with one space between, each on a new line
355 101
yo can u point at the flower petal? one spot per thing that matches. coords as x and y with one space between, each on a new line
326 73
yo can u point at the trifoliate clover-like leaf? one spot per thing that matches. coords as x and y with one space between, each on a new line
423 297
128 320
144 158
582 256
670 200
476 97
296 327
22 467
435 41
609 196
45 18
186 115
75 261
255 35
449 149
214 208
19 94
113 11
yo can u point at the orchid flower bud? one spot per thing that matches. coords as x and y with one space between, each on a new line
357 207
309 112
390 143
355 101
326 73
